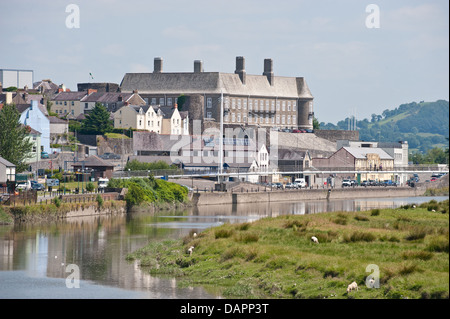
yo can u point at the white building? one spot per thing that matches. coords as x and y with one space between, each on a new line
16 78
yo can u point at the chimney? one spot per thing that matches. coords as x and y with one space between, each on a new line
198 66
268 71
8 98
157 65
240 68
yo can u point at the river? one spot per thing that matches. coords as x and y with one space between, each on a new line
44 261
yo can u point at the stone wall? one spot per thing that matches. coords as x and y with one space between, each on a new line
334 135
114 145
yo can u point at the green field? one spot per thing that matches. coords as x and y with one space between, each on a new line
275 257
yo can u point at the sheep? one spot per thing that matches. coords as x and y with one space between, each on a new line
314 239
190 250
352 286
194 235
433 210
413 206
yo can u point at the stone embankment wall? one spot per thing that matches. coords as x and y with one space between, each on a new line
300 195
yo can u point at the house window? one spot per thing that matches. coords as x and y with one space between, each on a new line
233 104
256 105
153 101
249 118
273 106
294 104
245 104
73 103
267 106
209 102
239 104
161 101
227 103
65 102
289 106
73 112
244 119
226 117
267 119
250 105
85 105
289 119
239 118
278 119
294 119
283 106
148 123
34 149
120 121
283 119
278 105
273 119
233 118
208 115
140 122
178 121
169 101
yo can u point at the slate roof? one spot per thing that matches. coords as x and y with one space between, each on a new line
106 97
213 82
56 120
6 163
46 85
361 152
93 161
69 96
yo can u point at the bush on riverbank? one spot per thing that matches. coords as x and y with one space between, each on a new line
150 190
275 257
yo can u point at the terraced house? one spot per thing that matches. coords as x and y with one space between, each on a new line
261 100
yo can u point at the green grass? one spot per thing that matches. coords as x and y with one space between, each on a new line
275 258
116 135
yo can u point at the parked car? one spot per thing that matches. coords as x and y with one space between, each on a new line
45 155
346 182
109 156
296 131
102 182
300 183
37 186
433 179
364 183
23 185
354 182
290 185
388 182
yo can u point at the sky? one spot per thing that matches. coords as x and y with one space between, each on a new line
351 69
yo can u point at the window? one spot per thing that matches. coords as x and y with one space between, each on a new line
239 104
289 119
85 105
249 118
289 106
283 119
178 121
226 117
283 106
65 102
294 119
256 105
273 119
148 122
267 118
120 121
73 112
278 105
209 102
244 119
152 123
34 149
208 115
233 118
233 104
161 101
153 101
73 103
250 105
227 103
239 118
140 122
169 101
294 104
245 104
273 106
267 106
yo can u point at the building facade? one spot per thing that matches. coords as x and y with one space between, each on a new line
262 100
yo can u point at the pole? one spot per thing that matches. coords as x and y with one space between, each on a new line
219 178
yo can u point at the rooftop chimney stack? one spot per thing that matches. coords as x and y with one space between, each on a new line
158 65
198 66
268 71
240 68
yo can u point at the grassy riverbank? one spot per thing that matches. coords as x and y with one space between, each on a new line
275 258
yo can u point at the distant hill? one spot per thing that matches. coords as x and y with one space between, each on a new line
424 125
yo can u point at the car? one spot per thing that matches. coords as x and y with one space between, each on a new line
346 182
45 155
290 185
388 182
354 182
109 156
300 183
364 183
434 179
23 185
309 131
37 186
296 131
279 185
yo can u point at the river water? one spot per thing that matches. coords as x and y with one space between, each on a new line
45 261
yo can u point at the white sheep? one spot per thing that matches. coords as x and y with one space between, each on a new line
434 211
194 235
352 286
190 250
314 239
413 206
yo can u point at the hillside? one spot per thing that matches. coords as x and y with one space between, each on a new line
424 125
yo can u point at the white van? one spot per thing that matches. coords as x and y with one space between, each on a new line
300 183
24 185
102 182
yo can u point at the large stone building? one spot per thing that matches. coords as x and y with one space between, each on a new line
261 100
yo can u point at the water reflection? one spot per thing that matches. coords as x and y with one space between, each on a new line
99 245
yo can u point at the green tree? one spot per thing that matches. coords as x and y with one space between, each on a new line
180 101
15 144
316 124
97 121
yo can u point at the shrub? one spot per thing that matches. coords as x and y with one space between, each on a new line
99 200
243 226
438 244
422 255
295 222
359 236
361 218
135 195
340 221
57 202
416 234
90 187
248 238
375 212
222 233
